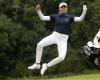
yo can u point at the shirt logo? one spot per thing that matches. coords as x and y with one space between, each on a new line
66 20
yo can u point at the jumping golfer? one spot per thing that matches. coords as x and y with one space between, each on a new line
62 22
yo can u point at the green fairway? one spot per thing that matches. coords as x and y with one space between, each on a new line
92 76
82 77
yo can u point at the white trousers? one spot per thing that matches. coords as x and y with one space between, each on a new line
54 38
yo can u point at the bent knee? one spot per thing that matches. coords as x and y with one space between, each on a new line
62 58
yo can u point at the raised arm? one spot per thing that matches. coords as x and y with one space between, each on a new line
42 17
81 18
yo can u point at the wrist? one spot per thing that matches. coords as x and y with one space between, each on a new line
38 10
84 9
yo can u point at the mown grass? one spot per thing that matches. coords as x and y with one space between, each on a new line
91 75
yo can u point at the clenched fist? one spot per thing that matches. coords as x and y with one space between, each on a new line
38 7
84 7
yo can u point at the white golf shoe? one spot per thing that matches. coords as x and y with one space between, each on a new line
34 66
44 68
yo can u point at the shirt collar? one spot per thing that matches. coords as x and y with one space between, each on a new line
62 15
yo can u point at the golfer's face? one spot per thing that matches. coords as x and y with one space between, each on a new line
63 9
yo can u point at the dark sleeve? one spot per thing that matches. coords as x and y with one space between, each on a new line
72 18
52 17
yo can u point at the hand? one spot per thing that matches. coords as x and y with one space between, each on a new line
38 7
84 7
